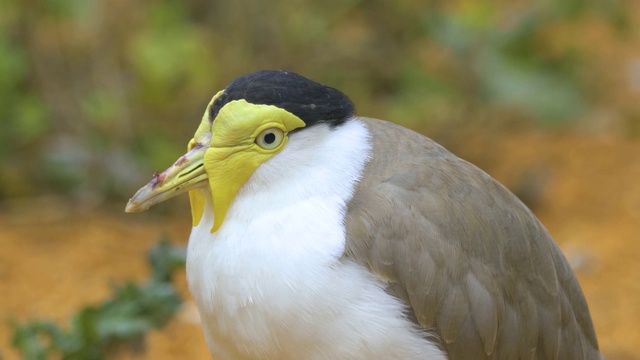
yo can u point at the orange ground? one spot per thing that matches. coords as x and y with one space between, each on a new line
53 260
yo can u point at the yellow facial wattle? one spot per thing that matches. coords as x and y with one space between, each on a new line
235 151
225 152
201 137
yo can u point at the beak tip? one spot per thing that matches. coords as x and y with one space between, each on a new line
132 207
185 174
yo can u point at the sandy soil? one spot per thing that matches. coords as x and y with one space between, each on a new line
585 189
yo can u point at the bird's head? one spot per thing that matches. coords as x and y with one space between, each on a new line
244 126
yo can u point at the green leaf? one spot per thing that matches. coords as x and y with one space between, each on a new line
165 259
132 310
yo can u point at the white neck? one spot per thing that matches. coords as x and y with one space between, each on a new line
288 216
316 163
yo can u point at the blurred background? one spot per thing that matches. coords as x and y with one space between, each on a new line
96 95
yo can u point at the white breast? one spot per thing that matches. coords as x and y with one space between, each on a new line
270 283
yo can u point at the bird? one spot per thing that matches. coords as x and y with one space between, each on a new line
321 234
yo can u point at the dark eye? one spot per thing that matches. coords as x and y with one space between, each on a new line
270 139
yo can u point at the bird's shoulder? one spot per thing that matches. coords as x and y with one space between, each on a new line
466 256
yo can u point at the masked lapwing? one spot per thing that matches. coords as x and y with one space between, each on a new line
318 234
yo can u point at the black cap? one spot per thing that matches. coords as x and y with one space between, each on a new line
312 102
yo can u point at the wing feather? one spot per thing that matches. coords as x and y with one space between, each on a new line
483 312
471 262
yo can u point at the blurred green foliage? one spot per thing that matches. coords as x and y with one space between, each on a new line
97 94
124 319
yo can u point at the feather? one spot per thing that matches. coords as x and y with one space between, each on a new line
471 262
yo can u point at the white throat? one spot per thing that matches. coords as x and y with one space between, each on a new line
301 190
287 218
297 193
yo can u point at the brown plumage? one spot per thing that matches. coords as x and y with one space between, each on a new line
471 262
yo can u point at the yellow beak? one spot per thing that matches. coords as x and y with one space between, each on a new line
186 174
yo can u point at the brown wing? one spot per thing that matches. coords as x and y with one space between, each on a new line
469 259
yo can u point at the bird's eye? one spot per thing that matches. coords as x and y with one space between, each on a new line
270 138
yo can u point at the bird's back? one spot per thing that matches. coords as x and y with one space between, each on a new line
472 263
